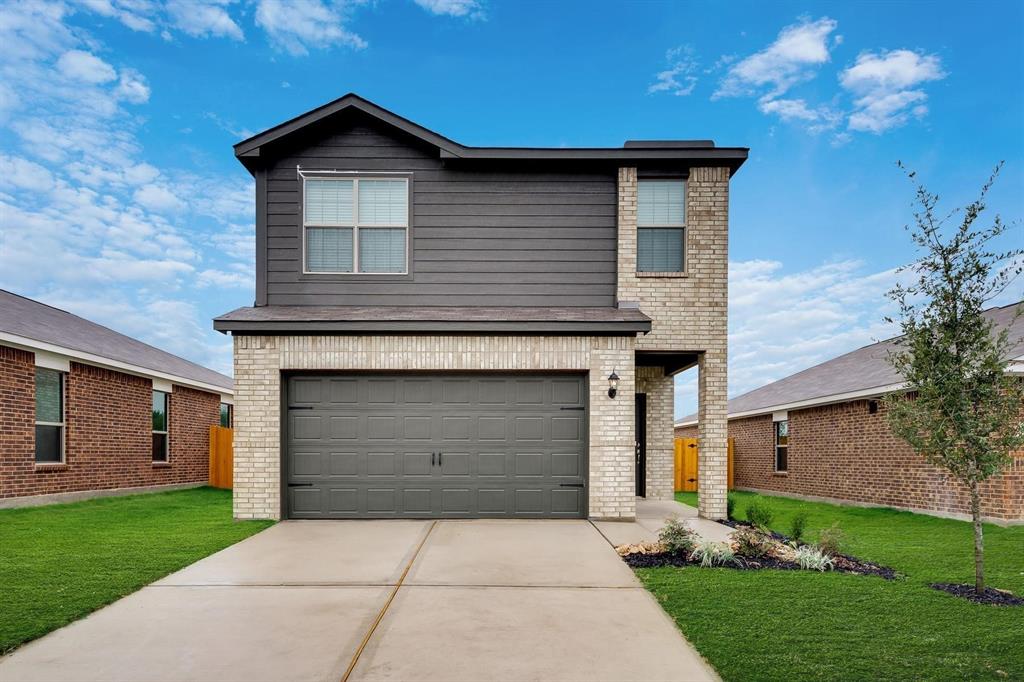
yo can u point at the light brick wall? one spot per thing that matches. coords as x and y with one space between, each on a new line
259 361
689 310
659 389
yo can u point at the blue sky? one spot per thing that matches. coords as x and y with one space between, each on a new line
120 199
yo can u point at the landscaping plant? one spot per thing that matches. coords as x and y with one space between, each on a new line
730 508
961 409
813 559
677 537
797 526
830 540
759 515
710 553
752 543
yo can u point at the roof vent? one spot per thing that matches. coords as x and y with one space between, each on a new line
668 144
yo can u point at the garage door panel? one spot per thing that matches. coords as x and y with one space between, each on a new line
456 446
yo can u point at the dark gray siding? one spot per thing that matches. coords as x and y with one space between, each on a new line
500 236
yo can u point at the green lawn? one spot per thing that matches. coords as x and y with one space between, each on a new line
795 625
60 562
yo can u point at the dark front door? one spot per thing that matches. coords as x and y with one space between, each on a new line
436 445
641 444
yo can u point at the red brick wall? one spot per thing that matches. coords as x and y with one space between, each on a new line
842 451
108 426
17 418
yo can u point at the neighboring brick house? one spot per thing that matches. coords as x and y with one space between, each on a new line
824 433
451 331
85 410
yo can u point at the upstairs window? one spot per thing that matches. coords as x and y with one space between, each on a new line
356 225
782 446
161 423
49 416
661 226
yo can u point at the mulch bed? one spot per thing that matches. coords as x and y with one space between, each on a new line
992 596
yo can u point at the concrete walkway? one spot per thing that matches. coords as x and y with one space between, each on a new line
650 518
381 600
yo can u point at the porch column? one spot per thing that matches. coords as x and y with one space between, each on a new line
712 434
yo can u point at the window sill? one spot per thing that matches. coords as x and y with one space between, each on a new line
780 473
161 465
51 466
663 275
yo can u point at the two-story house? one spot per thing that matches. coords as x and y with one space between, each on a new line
451 331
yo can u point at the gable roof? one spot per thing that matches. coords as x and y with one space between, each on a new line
250 150
28 323
861 373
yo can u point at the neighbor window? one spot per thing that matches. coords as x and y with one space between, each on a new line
356 225
49 416
661 225
226 415
161 422
782 446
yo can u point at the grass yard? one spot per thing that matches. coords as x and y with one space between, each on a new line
797 625
61 562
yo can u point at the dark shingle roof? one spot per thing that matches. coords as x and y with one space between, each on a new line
432 318
864 369
30 319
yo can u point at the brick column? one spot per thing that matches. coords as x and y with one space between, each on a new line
712 434
660 392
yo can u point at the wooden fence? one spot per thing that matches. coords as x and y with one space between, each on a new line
687 467
221 457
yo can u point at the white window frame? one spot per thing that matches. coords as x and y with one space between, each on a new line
775 450
665 226
354 177
167 425
62 423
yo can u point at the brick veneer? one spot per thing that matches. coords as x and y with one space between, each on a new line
689 313
844 452
260 360
660 393
108 427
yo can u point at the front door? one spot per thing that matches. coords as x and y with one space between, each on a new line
641 444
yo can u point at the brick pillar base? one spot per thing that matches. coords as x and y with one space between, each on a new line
712 435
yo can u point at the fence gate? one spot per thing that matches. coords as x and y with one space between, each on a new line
687 464
221 457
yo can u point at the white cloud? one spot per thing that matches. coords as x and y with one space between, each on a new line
202 18
886 87
793 58
680 78
298 25
789 109
157 198
781 322
132 87
85 66
454 8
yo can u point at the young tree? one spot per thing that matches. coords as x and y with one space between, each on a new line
962 410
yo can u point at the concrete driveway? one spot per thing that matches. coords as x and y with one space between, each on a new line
381 600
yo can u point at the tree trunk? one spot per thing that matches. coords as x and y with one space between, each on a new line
979 546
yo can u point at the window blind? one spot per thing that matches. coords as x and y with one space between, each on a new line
659 249
661 202
328 202
328 249
382 249
383 202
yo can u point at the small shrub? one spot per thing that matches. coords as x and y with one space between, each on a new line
752 543
713 554
677 537
730 508
759 515
797 527
830 540
813 559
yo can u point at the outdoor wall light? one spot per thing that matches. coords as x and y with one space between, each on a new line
613 384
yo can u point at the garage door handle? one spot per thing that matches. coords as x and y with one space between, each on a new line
578 409
300 485
301 407
570 485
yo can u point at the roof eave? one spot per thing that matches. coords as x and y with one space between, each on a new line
613 328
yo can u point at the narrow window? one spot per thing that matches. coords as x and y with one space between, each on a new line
161 422
49 416
661 226
782 446
226 415
356 225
